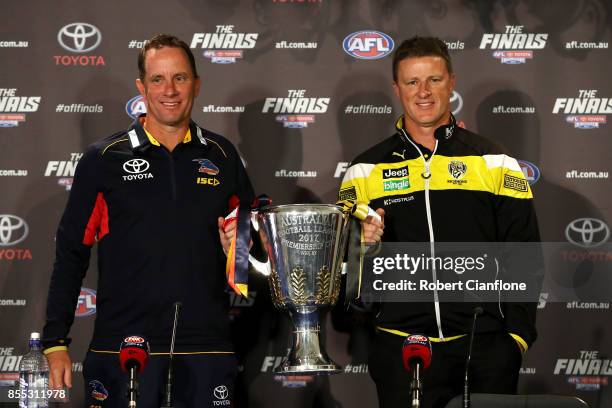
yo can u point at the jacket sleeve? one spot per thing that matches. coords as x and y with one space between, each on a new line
517 224
74 238
354 185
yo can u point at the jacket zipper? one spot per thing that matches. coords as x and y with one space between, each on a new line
427 176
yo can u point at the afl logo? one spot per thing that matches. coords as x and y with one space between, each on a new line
134 339
135 107
368 45
86 305
530 170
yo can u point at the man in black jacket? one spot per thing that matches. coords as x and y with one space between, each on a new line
152 197
433 181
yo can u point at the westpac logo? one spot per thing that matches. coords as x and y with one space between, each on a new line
86 304
135 107
79 38
368 44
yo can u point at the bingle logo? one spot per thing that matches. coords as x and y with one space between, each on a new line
79 37
456 102
368 45
587 232
13 230
135 107
530 170
395 173
86 305
136 166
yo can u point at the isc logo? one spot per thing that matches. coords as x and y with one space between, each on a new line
211 181
368 44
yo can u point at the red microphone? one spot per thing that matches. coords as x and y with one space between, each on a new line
416 354
133 356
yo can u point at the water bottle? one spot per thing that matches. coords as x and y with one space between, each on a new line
34 376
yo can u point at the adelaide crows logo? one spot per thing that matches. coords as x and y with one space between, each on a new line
207 167
457 169
98 392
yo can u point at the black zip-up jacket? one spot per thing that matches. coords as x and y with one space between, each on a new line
475 193
154 216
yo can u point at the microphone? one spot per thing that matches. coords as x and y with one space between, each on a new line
168 403
416 354
466 388
133 356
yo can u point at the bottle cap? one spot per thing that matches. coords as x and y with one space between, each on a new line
35 336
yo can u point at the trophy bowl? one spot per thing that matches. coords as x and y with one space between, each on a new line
305 245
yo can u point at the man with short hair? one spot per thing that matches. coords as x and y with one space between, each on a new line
429 152
152 197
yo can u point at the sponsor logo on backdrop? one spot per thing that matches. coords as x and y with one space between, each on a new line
582 45
587 232
13 108
580 174
136 169
513 46
543 300
86 304
63 170
527 370
368 44
224 46
14 44
13 231
341 169
587 111
588 372
239 303
456 102
135 107
587 305
79 39
368 109
455 45
284 173
290 45
13 173
13 302
296 110
78 108
9 367
222 109
270 363
136 43
530 171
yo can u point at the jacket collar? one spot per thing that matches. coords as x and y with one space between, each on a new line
141 139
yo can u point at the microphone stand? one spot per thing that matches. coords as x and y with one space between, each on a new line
132 386
168 403
466 387
416 386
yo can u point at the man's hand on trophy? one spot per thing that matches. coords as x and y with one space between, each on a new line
373 228
226 232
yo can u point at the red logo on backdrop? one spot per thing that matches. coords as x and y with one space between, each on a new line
86 305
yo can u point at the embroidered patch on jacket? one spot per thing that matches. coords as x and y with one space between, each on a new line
515 183
347 194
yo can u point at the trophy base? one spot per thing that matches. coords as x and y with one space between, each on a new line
307 369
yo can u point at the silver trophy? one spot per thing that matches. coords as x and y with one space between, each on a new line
305 245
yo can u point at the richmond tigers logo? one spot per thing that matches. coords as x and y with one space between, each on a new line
457 169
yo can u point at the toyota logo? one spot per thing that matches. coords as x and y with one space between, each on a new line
79 37
456 102
221 392
587 232
136 166
13 230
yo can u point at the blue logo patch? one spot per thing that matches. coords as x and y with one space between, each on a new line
135 107
98 392
530 170
86 304
207 167
368 44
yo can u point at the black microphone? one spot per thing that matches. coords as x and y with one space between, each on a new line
168 403
416 354
466 387
133 356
